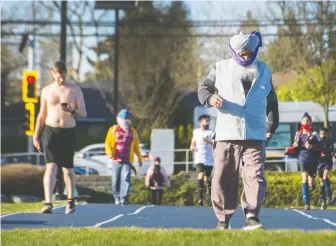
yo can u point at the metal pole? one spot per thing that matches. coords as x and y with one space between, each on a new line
31 66
116 61
187 160
63 31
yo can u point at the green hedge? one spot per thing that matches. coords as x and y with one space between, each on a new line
283 189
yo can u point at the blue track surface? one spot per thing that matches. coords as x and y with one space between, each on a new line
108 215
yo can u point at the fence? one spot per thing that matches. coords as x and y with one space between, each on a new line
91 162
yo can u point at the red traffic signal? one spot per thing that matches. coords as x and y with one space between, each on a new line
29 86
30 79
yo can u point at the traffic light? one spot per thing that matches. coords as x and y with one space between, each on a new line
29 119
29 86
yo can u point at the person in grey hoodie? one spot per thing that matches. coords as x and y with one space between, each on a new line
247 114
155 180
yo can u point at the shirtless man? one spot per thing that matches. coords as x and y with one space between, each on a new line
61 102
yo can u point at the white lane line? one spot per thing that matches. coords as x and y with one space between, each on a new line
121 215
108 221
60 206
140 209
5 215
314 218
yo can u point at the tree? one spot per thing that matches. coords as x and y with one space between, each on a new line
317 84
250 23
155 71
10 81
307 37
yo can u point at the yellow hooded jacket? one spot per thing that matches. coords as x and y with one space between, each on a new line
110 144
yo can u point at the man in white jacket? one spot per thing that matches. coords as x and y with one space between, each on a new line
241 89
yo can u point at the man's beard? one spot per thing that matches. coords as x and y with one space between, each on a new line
247 73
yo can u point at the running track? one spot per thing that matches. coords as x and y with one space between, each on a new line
109 215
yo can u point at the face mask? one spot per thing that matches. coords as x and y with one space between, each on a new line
205 126
124 123
157 168
306 126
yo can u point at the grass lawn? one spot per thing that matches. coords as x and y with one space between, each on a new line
146 237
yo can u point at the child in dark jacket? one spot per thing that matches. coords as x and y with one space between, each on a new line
306 139
155 179
324 167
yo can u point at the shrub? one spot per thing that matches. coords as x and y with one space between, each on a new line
22 179
283 189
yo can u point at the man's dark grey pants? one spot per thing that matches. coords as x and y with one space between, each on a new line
224 195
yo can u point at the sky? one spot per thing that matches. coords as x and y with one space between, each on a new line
198 10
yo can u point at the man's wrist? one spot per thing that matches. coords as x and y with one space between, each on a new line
73 112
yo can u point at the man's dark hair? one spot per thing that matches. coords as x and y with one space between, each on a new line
60 67
203 116
324 129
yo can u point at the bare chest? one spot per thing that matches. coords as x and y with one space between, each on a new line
57 95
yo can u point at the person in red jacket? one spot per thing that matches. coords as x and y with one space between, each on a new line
306 139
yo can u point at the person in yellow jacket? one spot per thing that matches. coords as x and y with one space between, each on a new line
121 143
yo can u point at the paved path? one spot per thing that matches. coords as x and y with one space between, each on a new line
108 215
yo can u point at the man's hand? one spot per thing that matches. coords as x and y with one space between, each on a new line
140 164
216 101
36 143
67 108
268 135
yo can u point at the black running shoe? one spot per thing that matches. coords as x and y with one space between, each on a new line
222 225
252 223
47 208
70 207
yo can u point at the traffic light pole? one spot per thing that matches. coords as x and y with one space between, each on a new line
116 62
31 66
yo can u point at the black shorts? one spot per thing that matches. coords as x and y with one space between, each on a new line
59 145
200 167
309 167
322 167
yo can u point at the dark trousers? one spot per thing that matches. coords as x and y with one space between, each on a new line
156 196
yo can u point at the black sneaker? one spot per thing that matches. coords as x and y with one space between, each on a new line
222 225
47 208
70 207
200 202
252 223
